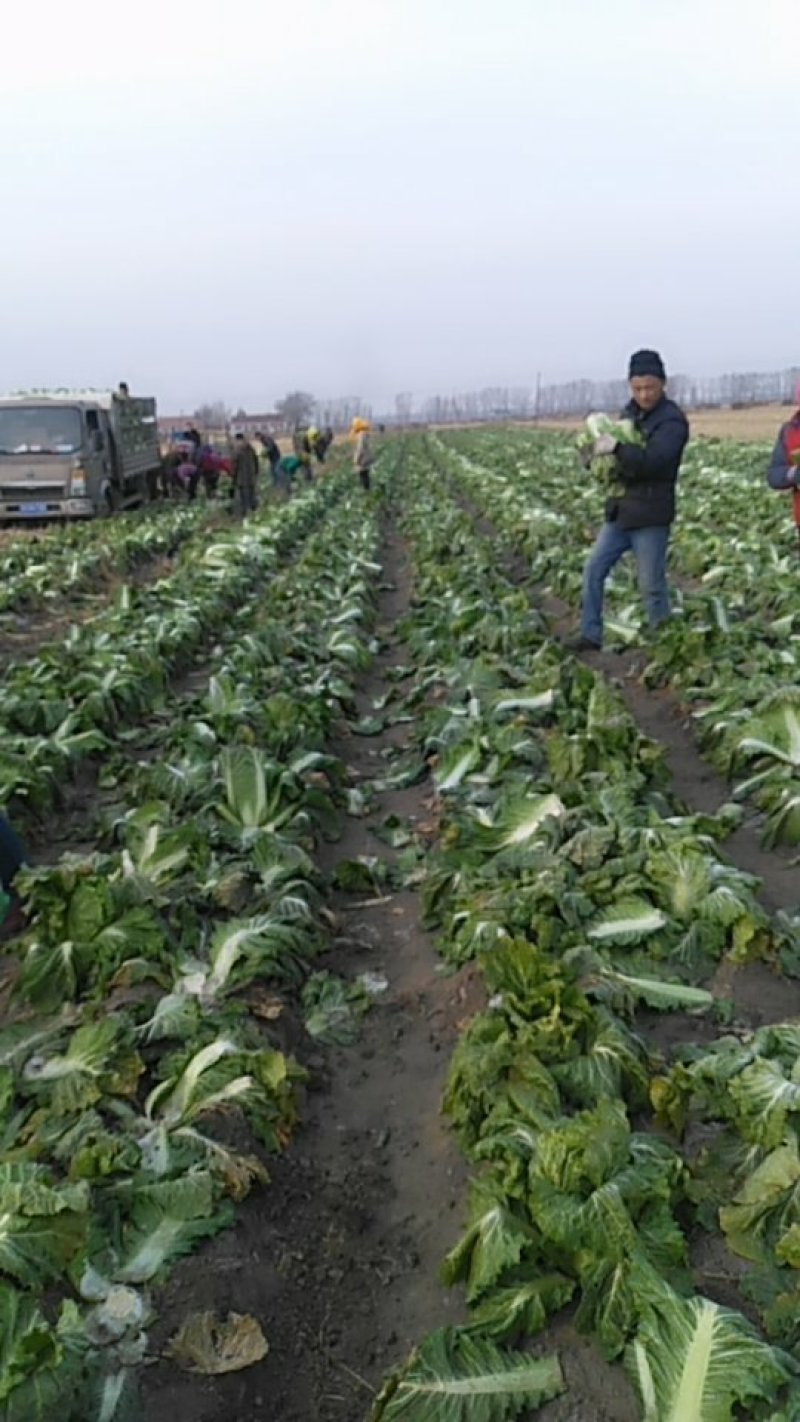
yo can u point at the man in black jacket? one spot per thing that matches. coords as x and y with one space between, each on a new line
245 475
638 521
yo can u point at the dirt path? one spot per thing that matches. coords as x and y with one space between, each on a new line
339 1256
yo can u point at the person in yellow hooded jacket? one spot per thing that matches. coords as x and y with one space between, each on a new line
316 447
363 457
301 445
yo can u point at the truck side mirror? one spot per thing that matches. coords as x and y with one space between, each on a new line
98 441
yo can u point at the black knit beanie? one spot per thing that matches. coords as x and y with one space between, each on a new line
646 363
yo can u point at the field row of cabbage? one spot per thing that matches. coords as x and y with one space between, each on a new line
41 570
143 1077
142 1084
732 650
607 1171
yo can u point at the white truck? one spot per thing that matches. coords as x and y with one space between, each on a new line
75 453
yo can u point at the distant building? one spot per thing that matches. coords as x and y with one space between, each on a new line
270 423
169 425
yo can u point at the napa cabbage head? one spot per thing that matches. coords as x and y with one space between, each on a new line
604 467
623 430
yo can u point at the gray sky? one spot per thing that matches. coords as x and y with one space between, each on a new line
367 196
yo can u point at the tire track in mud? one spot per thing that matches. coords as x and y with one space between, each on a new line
340 1255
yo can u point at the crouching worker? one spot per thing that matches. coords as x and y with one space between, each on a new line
301 446
287 470
640 516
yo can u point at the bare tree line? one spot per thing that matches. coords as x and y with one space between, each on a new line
520 402
340 412
694 392
297 408
578 397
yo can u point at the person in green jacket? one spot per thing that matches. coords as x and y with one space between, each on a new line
287 470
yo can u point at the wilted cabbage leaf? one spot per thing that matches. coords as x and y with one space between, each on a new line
207 1344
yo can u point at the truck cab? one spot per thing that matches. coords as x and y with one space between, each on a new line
75 454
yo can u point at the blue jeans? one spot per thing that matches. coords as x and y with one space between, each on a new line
649 546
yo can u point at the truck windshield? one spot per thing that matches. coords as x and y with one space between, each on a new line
39 430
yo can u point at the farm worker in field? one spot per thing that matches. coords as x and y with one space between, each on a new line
784 467
363 458
638 521
185 476
210 466
286 471
272 454
319 443
301 446
245 474
169 466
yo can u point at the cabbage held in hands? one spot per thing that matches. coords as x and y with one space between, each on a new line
605 465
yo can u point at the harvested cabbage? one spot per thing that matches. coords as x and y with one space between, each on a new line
604 466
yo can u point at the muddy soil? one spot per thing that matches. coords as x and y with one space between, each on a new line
339 1256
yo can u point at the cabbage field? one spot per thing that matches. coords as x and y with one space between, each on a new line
254 740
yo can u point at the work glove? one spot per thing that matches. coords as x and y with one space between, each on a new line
604 444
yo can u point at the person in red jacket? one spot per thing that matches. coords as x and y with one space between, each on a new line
783 473
210 466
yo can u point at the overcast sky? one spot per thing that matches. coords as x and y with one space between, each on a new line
235 198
